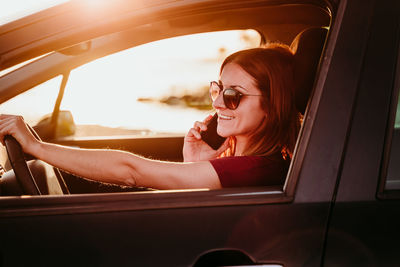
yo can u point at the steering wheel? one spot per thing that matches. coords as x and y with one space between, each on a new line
21 169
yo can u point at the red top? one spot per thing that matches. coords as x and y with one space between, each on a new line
251 170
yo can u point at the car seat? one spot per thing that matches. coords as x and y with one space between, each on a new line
307 46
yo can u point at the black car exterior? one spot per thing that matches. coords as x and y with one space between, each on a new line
336 208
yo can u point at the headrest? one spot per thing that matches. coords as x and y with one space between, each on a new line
307 47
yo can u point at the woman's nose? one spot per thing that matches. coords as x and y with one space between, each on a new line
218 103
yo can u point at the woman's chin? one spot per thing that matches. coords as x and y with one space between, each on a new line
223 132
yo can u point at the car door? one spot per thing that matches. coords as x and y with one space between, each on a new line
266 225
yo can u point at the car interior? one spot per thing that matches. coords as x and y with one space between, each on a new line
304 27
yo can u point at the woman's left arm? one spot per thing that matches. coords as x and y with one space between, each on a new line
112 166
124 168
171 175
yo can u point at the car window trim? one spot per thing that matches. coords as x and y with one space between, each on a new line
144 200
383 192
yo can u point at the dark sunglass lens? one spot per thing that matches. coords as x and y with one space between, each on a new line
231 98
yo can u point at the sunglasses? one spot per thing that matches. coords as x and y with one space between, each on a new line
231 96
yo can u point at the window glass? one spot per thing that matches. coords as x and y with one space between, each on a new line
35 103
159 87
393 172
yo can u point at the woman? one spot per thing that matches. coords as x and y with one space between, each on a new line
256 111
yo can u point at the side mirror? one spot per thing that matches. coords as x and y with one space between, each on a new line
63 126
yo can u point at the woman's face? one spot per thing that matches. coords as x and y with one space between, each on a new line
248 116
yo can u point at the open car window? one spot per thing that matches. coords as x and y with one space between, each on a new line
153 87
156 89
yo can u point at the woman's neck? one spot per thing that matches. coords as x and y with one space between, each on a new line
241 144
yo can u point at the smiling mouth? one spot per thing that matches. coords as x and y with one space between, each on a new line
224 117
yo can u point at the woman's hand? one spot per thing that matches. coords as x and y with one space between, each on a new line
195 149
16 126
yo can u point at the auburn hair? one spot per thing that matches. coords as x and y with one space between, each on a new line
272 69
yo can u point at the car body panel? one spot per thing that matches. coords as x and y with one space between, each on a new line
174 234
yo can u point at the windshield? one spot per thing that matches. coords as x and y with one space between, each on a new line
17 9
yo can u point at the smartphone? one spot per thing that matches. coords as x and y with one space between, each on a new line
210 136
